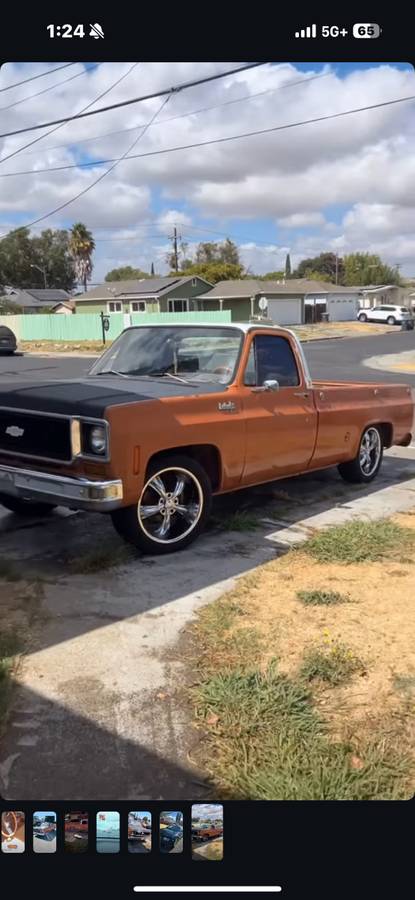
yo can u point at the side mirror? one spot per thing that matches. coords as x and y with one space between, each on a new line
269 384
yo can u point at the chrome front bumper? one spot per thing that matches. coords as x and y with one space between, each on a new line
76 493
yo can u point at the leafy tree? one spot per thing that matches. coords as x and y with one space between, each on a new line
324 264
271 276
126 273
287 266
215 271
7 307
211 252
20 254
229 253
82 246
317 276
51 252
16 256
368 268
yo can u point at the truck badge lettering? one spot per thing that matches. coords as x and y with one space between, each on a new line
227 406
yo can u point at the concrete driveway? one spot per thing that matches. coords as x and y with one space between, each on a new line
100 710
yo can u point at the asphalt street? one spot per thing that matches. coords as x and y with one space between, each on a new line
331 360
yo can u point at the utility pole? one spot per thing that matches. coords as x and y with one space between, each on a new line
176 255
337 267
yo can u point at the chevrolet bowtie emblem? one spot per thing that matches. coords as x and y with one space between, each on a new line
15 431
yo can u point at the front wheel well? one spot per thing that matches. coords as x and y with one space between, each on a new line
207 455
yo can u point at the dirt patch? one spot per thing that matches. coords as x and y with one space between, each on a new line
339 329
75 347
378 622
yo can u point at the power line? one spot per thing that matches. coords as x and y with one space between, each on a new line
167 91
34 77
100 177
50 88
223 140
88 105
195 112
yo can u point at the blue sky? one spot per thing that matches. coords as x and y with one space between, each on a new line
342 185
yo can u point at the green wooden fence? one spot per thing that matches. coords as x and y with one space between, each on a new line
78 327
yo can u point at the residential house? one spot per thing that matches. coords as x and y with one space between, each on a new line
36 300
380 294
285 301
173 293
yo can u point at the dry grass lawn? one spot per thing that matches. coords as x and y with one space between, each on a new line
261 637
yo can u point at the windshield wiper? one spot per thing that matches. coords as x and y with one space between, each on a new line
112 372
161 374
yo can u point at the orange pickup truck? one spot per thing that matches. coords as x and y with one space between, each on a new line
171 414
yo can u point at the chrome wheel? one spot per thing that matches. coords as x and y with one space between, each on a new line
170 505
370 451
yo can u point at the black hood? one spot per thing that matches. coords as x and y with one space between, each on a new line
92 395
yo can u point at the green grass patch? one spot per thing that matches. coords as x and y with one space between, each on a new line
9 647
361 542
268 743
237 521
322 598
99 559
9 571
223 638
334 664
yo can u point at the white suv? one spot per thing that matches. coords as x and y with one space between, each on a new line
389 315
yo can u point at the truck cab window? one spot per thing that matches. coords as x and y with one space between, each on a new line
271 358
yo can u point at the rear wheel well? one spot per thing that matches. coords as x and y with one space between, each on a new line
207 455
386 431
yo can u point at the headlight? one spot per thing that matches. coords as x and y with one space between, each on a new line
97 439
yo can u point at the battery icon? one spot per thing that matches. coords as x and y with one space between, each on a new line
366 30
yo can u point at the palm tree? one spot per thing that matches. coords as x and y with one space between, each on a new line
82 246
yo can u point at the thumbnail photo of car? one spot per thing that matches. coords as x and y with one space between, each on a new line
44 832
76 832
139 832
171 832
207 831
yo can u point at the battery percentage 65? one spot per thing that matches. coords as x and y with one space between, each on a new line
366 30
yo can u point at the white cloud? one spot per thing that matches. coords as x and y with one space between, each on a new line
302 220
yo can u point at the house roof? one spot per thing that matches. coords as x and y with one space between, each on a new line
68 304
374 288
35 298
145 287
250 287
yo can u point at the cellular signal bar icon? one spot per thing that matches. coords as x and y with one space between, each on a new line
309 32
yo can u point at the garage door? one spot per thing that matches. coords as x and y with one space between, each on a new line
285 312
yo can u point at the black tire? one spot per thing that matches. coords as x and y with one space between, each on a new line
26 507
129 524
353 471
391 320
363 317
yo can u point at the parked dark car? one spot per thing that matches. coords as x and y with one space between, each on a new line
169 837
8 341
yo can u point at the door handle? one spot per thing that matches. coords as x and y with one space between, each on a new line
301 394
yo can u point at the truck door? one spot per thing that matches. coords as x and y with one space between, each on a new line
279 411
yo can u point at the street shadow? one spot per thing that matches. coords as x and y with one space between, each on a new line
74 758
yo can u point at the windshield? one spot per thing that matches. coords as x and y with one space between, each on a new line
188 354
